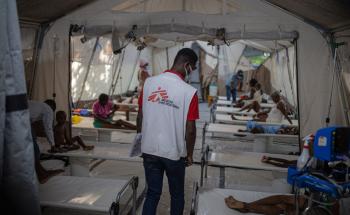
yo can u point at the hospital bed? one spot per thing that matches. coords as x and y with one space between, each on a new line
224 98
85 128
241 160
233 110
130 105
226 103
81 161
242 120
214 110
261 141
212 201
69 194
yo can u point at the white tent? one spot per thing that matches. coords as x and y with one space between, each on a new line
188 20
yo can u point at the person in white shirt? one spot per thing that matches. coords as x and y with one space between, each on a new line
43 111
168 108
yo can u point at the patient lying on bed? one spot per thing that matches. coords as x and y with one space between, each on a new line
63 140
280 162
277 204
255 128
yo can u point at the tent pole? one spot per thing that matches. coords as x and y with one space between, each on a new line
134 69
298 96
167 57
119 71
55 39
35 56
70 100
116 65
88 70
39 41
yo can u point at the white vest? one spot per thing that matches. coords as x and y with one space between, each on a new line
166 100
275 115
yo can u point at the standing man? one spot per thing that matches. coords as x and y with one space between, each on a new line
236 84
43 111
168 110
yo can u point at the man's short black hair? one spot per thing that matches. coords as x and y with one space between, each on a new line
51 103
60 113
253 82
186 55
103 97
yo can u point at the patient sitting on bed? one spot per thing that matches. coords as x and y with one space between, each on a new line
103 111
63 138
255 128
255 104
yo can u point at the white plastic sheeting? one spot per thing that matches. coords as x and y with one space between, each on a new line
213 201
313 52
104 64
18 188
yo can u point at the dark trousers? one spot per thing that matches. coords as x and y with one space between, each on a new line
228 93
234 95
154 170
35 146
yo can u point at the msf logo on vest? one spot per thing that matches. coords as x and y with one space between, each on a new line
160 96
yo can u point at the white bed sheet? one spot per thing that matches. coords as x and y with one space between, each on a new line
233 110
101 151
212 201
251 160
225 102
87 123
71 192
233 129
242 120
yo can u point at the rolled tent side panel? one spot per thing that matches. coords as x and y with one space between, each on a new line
19 189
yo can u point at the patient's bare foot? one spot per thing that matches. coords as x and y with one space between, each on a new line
88 148
233 203
264 159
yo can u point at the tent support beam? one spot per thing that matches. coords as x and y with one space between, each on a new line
39 39
298 95
119 71
199 32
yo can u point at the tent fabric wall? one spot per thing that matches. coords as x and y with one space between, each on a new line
343 54
281 80
251 16
18 185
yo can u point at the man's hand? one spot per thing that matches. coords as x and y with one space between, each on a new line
189 160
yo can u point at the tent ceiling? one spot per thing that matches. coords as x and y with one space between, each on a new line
41 11
330 14
327 14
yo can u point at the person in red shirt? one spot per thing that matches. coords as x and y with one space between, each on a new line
178 146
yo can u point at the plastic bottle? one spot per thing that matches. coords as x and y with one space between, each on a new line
304 157
213 89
